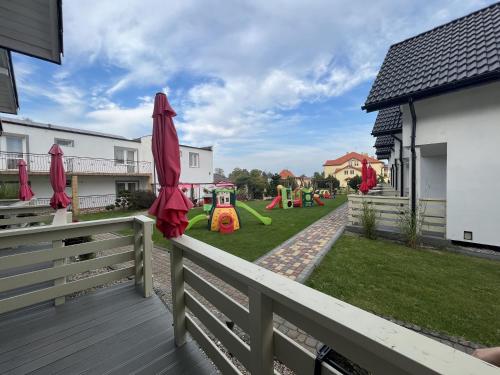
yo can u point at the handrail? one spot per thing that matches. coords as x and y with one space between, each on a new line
368 340
81 164
56 251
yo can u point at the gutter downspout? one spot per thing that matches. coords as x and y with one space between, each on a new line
413 157
401 193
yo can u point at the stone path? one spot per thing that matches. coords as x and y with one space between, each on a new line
297 257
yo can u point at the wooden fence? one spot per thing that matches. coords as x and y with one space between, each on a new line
389 212
376 344
38 267
25 215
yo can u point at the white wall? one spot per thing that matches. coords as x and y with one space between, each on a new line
468 121
39 141
433 177
202 174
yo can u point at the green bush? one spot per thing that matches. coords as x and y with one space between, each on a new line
368 220
135 200
411 226
140 200
355 182
8 191
110 207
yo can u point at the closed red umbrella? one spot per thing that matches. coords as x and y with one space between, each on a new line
57 179
364 176
369 180
171 206
25 192
374 177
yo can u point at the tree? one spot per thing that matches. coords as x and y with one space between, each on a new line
219 175
380 178
291 182
354 182
322 182
275 180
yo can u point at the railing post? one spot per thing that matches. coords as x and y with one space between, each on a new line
75 199
261 332
60 218
147 260
178 304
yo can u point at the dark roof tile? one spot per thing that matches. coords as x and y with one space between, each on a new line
384 141
460 53
388 121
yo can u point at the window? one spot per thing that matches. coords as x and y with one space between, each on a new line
194 160
352 171
64 142
15 150
346 171
122 186
125 156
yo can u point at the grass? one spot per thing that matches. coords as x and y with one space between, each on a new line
446 292
253 239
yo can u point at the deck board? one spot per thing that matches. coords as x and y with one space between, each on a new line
111 331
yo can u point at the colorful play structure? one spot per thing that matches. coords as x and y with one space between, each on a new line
221 211
300 197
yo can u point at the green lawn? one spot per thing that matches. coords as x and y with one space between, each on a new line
253 239
446 292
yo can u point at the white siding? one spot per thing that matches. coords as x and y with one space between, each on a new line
468 121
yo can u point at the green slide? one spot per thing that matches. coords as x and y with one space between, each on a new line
263 219
196 219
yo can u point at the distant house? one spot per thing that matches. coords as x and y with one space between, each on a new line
438 125
99 166
302 180
349 165
285 173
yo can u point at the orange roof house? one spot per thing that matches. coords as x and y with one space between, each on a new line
349 165
285 173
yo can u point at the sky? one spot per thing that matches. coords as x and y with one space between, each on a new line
270 84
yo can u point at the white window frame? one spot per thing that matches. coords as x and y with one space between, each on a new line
71 141
127 183
196 159
14 156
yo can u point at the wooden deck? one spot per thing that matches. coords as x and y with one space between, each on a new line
112 331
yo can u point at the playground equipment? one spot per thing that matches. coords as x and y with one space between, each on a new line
300 197
324 193
220 211
284 198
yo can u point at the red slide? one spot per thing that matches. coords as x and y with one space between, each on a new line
273 204
318 201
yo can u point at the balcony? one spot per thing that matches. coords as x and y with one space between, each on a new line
40 164
125 328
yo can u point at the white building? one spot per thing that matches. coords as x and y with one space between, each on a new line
438 94
98 165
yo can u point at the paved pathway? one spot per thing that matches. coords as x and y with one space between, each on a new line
297 257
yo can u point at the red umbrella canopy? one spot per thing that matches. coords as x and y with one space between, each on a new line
25 192
364 176
374 177
171 206
370 177
57 179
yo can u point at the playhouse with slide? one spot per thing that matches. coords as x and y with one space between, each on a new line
221 212
300 197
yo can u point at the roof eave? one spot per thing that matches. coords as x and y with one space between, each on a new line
439 90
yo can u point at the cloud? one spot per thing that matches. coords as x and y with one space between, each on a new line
236 72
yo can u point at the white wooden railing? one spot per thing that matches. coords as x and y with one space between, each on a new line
50 240
376 344
25 215
389 211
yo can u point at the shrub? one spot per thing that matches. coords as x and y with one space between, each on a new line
110 207
135 200
140 200
411 226
368 220
354 182
8 191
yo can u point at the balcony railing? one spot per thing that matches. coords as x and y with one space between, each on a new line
40 163
376 344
